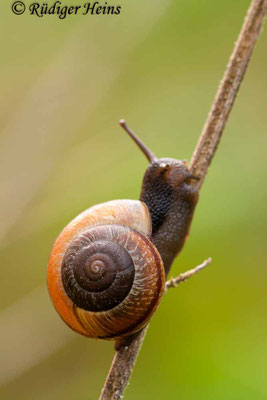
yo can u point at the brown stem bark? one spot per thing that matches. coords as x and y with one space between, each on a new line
124 359
227 91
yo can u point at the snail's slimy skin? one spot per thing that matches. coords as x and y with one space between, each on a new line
171 201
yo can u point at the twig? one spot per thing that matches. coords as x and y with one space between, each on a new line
121 368
174 282
125 357
227 91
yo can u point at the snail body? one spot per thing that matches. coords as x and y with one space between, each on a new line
107 268
171 199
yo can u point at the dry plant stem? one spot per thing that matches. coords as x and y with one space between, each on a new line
227 91
121 368
125 358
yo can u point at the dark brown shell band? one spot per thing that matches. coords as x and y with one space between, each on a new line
97 273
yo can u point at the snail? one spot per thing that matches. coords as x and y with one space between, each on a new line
107 268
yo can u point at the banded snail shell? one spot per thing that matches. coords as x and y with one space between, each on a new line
105 276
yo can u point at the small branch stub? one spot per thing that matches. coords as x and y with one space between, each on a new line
174 282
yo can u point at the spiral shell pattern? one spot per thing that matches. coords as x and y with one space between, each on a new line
105 276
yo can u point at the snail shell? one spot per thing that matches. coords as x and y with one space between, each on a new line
105 276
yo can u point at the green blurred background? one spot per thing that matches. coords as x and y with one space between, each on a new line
64 86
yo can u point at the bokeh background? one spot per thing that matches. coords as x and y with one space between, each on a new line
64 86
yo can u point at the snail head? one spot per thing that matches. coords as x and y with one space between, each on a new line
170 171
